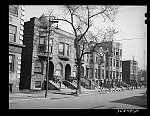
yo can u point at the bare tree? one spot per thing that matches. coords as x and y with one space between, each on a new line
81 19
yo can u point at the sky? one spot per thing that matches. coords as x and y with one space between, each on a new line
129 22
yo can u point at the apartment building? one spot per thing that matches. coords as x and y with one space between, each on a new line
16 27
130 71
113 63
34 55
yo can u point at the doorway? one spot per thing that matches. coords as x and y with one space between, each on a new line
67 72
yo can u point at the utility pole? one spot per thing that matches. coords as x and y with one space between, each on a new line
47 75
133 69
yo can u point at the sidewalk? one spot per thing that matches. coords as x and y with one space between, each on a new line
54 94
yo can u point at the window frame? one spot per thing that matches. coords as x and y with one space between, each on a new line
14 34
39 86
96 72
38 67
12 63
67 49
91 72
107 74
14 7
63 48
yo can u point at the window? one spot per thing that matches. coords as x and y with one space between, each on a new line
114 74
42 46
96 59
61 48
87 57
42 40
120 52
102 74
99 73
106 74
11 62
50 45
96 73
117 52
37 84
117 75
38 67
117 63
114 51
91 72
114 63
110 61
120 63
91 57
120 75
110 74
13 9
12 33
67 49
107 63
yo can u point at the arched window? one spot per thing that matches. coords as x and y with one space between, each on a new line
38 67
59 69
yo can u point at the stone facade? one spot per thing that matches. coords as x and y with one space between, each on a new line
16 26
59 64
62 58
105 69
114 63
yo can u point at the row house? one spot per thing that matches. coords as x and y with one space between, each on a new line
95 68
16 27
34 55
107 69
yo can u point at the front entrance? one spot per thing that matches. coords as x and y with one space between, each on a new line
67 72
51 70
51 74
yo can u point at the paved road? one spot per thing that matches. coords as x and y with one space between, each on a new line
129 99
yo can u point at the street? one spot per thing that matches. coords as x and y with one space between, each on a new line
128 99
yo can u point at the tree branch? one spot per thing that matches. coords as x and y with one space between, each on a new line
98 13
87 24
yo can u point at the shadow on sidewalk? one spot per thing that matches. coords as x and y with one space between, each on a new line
135 100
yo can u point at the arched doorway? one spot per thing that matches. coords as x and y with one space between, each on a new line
51 70
67 72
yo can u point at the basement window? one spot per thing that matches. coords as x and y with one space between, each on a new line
37 84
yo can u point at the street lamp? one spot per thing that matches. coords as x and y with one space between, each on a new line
47 75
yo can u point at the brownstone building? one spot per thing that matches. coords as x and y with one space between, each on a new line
34 55
110 71
16 27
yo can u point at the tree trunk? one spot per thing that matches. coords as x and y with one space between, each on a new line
77 47
78 79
